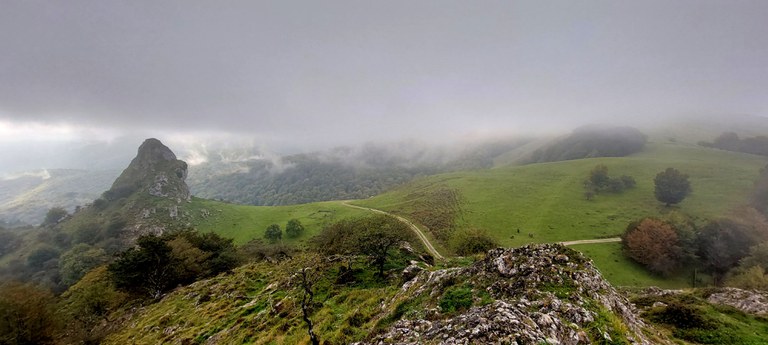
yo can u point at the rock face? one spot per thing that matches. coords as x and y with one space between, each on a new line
750 302
538 294
154 171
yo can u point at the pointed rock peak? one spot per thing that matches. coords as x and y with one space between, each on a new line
153 149
156 171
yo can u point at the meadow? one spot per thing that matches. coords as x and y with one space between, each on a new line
243 223
545 202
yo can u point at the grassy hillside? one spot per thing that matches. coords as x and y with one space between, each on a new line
243 222
546 200
546 203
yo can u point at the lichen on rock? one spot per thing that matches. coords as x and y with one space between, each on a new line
530 295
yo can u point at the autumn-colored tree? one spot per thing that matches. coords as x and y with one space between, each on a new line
654 244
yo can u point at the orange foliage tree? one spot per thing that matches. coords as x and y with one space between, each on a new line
654 244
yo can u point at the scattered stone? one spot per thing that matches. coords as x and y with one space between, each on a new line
540 294
750 302
411 271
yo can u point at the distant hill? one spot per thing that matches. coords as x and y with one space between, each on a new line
591 142
339 174
26 197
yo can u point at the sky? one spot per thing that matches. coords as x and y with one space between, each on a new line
307 74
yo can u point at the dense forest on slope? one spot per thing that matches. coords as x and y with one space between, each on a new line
339 174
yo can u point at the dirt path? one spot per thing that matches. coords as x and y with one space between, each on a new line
413 227
601 240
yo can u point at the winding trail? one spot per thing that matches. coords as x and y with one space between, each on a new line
413 227
434 251
600 240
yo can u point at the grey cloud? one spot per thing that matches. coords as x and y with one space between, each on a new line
315 71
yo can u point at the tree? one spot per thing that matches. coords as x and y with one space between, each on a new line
722 243
76 262
599 176
377 236
654 244
306 278
54 215
599 181
163 262
671 186
273 233
146 268
294 228
372 236
41 255
26 314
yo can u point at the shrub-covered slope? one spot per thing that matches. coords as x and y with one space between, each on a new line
534 294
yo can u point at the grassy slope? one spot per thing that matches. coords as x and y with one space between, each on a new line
546 200
621 271
243 222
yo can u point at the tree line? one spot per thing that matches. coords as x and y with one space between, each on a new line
732 249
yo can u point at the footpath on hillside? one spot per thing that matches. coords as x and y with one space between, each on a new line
599 240
412 226
434 251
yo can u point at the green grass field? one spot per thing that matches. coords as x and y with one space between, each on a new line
546 200
621 271
243 223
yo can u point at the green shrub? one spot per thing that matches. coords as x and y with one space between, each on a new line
456 298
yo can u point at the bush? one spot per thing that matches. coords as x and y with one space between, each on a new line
41 255
599 181
54 215
456 299
294 228
160 263
472 242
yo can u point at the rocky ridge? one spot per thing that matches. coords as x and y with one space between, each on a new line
530 295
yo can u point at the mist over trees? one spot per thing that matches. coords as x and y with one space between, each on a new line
730 141
591 142
339 174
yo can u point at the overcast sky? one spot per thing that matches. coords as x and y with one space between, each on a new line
333 72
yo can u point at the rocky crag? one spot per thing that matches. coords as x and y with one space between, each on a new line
538 294
154 171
